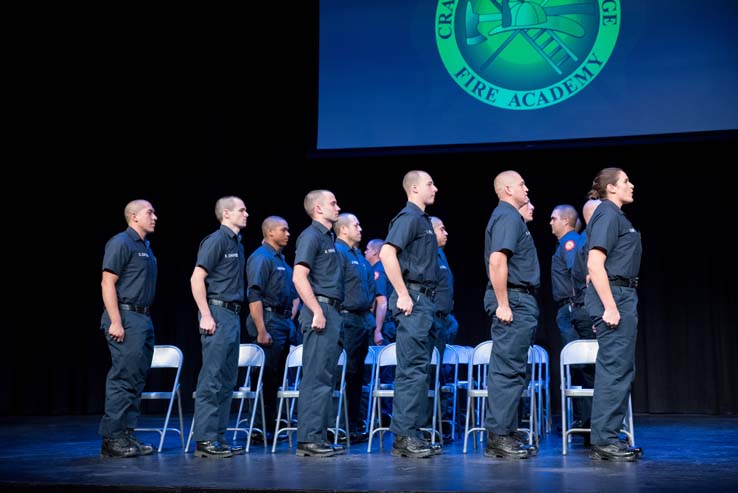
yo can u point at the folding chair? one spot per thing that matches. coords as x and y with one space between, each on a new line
166 356
370 360
340 394
451 357
250 356
463 353
582 352
477 377
534 424
388 357
288 394
477 389
544 393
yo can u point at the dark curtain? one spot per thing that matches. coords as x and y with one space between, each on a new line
255 139
55 358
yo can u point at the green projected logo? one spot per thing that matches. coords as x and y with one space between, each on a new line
525 54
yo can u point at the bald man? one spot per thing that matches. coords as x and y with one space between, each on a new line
514 275
358 323
409 256
128 286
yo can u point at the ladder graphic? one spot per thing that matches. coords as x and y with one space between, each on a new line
548 44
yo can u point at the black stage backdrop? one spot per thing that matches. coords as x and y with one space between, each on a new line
255 139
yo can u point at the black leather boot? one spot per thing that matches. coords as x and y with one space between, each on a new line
213 449
411 447
320 449
235 449
118 447
143 448
506 447
616 452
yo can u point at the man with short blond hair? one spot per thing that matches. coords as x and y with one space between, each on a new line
409 256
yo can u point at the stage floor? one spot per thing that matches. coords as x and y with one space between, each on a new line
54 454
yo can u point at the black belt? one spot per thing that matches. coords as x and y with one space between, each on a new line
134 308
521 289
228 305
331 301
624 282
284 312
567 301
415 286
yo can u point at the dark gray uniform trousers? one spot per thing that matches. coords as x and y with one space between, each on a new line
414 350
356 328
615 367
218 375
508 361
320 353
127 375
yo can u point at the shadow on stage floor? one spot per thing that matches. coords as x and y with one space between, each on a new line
55 454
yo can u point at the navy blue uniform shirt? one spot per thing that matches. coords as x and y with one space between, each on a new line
317 252
269 278
579 269
562 262
610 230
444 299
382 284
506 232
412 232
358 278
221 254
131 259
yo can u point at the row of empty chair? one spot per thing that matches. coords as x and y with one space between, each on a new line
251 357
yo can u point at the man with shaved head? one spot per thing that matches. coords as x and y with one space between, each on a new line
272 302
514 275
318 278
409 256
359 294
128 286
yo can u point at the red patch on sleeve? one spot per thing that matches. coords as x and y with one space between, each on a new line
376 275
569 245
